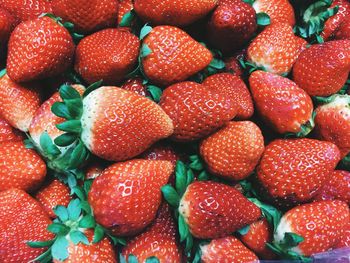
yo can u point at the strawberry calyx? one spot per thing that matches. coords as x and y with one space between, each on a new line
133 259
2 72
305 128
262 19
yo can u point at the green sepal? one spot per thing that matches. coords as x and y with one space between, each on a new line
180 178
171 196
127 19
196 163
79 155
67 92
183 228
292 239
250 2
59 248
29 144
305 129
2 72
244 230
145 51
189 243
152 260
145 30
60 110
75 107
87 221
92 87
87 185
263 19
217 63
49 149
58 229
203 176
86 207
132 259
78 191
98 233
155 92
72 126
190 177
74 209
40 244
77 237
61 212
66 139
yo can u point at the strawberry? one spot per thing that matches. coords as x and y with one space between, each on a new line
158 240
196 111
337 188
7 24
312 228
93 170
174 56
107 55
136 86
343 31
22 219
227 249
125 6
126 196
234 87
332 122
18 103
232 24
345 239
54 194
86 16
333 65
7 133
276 48
234 151
179 13
162 151
232 65
295 170
38 49
279 11
281 103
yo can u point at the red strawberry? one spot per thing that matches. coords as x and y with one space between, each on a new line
162 151
136 86
234 151
93 170
178 13
279 11
22 219
235 88
337 188
39 49
7 133
227 249
52 195
232 65
332 122
126 196
345 239
158 240
18 103
195 110
333 65
87 16
175 56
107 55
343 31
7 24
125 6
213 210
280 102
321 224
119 124
276 48
232 24
295 170
20 167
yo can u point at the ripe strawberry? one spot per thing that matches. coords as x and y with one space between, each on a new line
177 13
107 55
281 103
175 56
158 240
232 65
162 151
337 188
52 195
295 170
136 86
7 133
345 239
321 224
119 124
87 16
126 196
227 249
213 210
195 110
276 48
18 103
279 11
232 24
343 31
39 49
332 122
235 88
7 24
234 151
125 6
333 65
22 219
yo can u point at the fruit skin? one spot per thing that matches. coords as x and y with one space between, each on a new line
158 240
7 24
8 133
295 170
21 168
54 194
126 196
276 48
136 85
280 102
333 65
332 123
213 210
175 56
234 151
227 249
345 239
87 16
22 220
343 31
177 13
125 6
107 55
195 110
234 87
321 224
18 103
337 188
120 124
279 11
232 24
38 49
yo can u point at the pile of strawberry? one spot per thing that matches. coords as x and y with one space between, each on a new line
174 131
